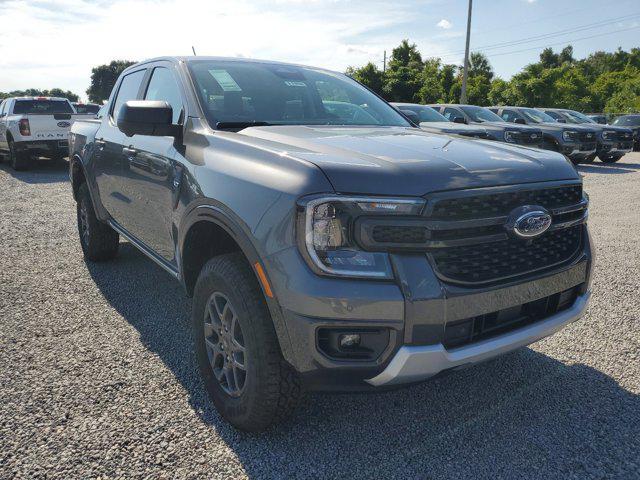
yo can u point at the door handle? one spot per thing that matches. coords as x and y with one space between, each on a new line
129 152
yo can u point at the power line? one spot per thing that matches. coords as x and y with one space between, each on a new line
534 38
564 42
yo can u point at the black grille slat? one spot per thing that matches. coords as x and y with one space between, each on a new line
399 234
501 204
487 262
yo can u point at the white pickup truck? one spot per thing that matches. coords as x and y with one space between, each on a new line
34 126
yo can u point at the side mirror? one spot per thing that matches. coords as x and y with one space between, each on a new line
521 121
147 117
459 120
411 115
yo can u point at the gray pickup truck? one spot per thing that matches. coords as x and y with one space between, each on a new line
614 142
432 121
578 142
326 246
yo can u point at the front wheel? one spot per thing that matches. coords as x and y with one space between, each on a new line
237 349
612 159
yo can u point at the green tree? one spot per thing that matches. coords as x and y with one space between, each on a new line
36 92
369 75
479 66
499 92
403 79
103 78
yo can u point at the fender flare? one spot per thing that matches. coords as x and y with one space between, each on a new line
209 210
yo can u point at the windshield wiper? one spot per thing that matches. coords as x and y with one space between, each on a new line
240 125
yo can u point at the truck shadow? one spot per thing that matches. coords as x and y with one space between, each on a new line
525 415
42 171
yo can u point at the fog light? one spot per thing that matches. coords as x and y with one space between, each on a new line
349 340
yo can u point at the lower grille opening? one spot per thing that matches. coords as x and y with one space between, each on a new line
482 327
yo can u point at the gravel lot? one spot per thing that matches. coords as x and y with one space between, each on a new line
98 378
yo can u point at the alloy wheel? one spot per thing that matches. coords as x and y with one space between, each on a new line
225 344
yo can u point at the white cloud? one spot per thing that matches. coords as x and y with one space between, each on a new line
55 43
444 23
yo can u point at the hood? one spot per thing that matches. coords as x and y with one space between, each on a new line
409 161
451 127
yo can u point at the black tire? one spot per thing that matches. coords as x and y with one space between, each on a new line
612 159
270 388
589 159
99 241
19 161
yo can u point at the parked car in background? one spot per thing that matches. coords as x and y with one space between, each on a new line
599 118
613 142
577 142
496 127
34 126
432 121
86 108
325 251
632 122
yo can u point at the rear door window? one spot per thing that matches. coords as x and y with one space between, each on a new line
451 113
128 90
509 115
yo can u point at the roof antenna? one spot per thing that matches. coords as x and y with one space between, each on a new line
194 51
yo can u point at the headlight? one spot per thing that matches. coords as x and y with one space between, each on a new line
569 135
608 134
326 233
510 136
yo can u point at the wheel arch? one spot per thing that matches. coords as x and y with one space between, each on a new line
209 229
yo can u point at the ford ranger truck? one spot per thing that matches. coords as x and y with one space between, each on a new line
432 121
496 128
614 142
34 126
578 142
326 249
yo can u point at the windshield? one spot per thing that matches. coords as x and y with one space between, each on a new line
426 114
86 108
479 114
237 93
577 117
34 107
630 120
536 116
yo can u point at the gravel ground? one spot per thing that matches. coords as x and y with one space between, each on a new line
98 378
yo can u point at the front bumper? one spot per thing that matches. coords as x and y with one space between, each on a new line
579 150
416 363
611 149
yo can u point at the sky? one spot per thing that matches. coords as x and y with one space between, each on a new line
55 43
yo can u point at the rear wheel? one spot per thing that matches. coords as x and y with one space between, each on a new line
237 348
98 240
19 160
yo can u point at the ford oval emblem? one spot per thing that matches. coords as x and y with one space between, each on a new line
529 221
64 124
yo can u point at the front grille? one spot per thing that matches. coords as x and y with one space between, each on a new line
585 147
399 234
530 138
501 204
486 262
483 327
586 136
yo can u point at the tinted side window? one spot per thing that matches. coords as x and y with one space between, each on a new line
128 90
554 115
451 113
509 115
3 106
163 86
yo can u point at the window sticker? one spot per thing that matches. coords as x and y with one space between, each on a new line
226 81
290 83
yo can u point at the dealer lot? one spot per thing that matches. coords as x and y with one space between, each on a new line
98 376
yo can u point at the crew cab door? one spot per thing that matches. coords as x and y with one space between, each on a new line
3 124
108 158
153 170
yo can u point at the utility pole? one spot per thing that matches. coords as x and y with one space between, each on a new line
384 63
465 73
